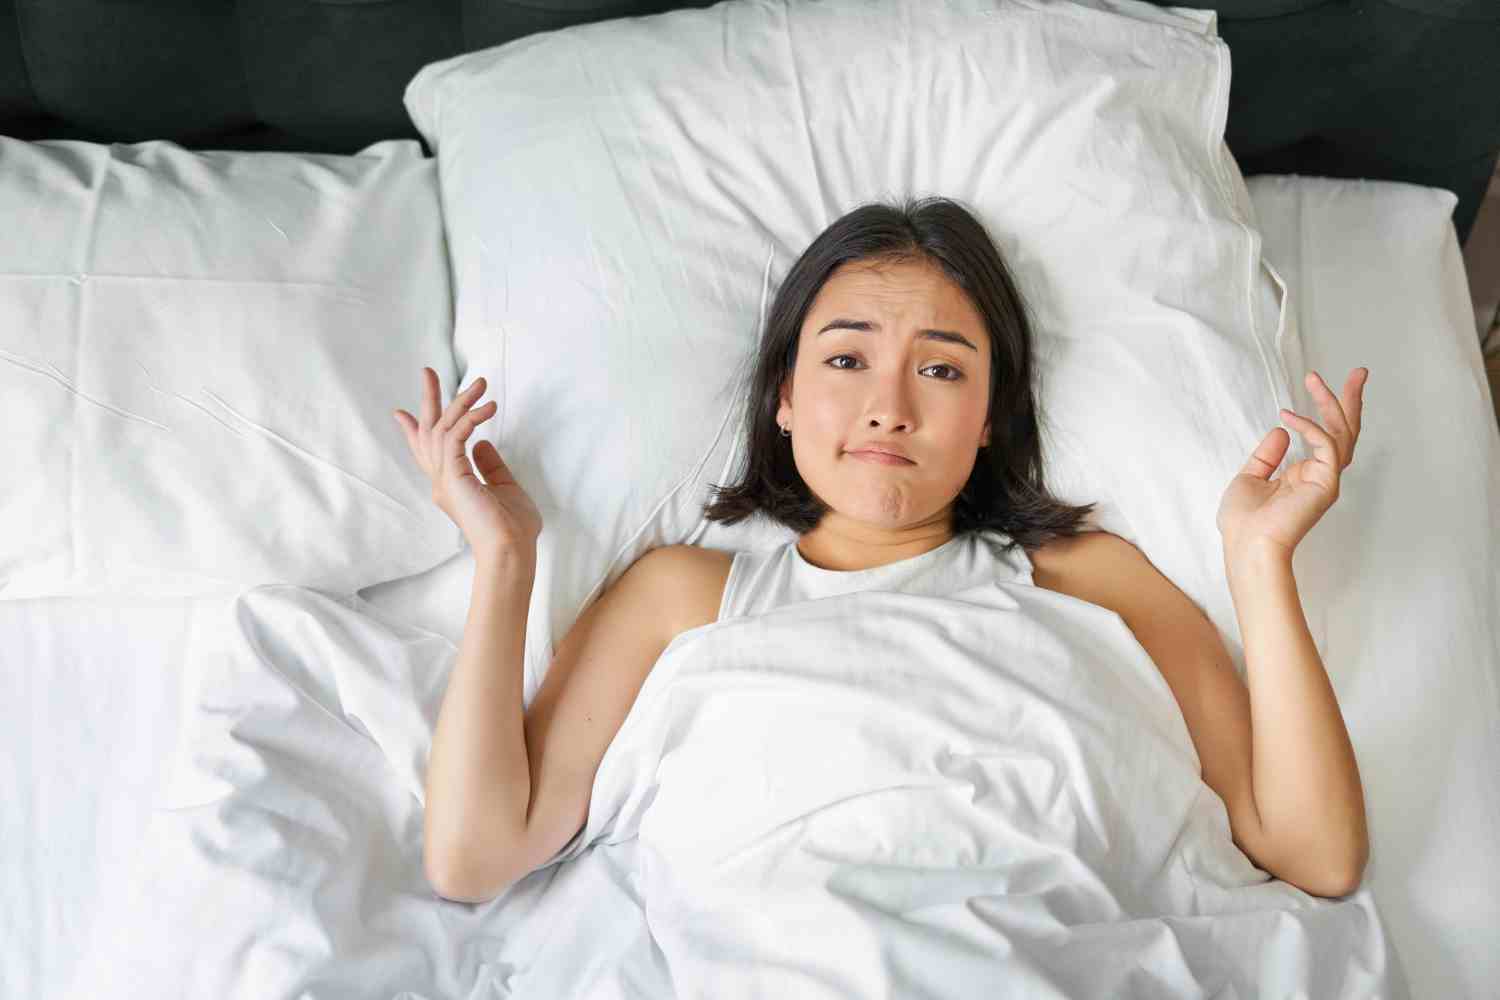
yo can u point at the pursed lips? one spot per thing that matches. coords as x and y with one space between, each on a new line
881 457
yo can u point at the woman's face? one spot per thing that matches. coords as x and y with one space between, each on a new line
891 385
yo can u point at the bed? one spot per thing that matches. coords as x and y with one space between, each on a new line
222 678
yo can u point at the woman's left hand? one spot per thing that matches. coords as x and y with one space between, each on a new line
1256 508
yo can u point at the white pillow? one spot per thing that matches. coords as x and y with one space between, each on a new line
204 350
623 197
1401 579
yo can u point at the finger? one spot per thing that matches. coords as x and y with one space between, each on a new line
410 429
491 466
1329 406
1268 454
477 416
1325 448
1354 396
455 456
429 398
461 404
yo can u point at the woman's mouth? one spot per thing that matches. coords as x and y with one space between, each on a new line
880 458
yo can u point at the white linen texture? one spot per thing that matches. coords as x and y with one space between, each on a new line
199 354
990 793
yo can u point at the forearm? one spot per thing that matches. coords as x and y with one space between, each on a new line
1304 776
478 774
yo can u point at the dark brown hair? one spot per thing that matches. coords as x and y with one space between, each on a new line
1005 491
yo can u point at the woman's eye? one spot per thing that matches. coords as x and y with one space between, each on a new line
946 378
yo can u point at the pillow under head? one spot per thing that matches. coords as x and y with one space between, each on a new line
624 198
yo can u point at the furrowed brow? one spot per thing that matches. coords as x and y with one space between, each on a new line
865 326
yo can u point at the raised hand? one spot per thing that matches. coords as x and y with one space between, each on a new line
494 515
1281 511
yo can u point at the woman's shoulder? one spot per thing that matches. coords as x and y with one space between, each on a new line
695 580
1061 560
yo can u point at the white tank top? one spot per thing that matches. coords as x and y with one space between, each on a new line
763 579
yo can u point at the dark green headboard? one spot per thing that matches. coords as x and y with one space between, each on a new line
1403 90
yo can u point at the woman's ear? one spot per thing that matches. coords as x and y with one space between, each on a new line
984 439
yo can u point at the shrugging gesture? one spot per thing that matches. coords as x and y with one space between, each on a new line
496 514
1258 509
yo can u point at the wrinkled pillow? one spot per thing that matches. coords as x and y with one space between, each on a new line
203 352
623 197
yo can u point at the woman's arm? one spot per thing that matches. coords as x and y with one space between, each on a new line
1306 781
1105 569
478 772
1306 784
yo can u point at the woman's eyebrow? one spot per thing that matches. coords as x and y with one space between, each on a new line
865 326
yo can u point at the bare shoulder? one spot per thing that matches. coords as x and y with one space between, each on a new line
693 578
1074 565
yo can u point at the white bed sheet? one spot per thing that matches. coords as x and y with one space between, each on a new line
990 790
92 690
95 689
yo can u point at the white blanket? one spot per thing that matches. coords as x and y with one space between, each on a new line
871 795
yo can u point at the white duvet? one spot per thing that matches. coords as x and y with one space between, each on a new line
872 795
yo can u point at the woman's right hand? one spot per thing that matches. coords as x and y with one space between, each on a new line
495 515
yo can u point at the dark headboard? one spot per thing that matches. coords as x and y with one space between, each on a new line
1403 90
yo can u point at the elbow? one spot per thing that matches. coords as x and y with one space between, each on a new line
454 881
457 870
1353 873
1334 886
443 877
1339 878
1316 869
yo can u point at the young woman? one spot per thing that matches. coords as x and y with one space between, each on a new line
894 427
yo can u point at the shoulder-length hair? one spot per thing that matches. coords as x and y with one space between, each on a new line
1005 490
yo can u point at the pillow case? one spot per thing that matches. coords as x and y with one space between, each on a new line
204 349
1400 581
622 198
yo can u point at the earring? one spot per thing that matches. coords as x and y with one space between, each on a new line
784 432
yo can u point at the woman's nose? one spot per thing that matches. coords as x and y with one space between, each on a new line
891 406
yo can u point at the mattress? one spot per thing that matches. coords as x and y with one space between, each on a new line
96 688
